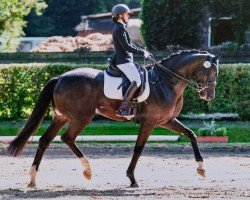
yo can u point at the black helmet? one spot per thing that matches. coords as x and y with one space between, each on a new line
120 9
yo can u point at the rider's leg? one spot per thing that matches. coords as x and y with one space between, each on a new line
130 70
124 109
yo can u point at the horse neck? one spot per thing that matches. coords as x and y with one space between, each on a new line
188 65
185 67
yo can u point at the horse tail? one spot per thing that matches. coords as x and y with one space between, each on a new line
15 146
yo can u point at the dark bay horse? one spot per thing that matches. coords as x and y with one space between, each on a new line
78 94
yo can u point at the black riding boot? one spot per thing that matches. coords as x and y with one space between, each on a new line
125 108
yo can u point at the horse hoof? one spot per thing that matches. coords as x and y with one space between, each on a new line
31 185
87 174
201 171
134 185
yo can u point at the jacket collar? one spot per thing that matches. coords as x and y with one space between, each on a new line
122 23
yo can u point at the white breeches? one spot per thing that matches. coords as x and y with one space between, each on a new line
130 70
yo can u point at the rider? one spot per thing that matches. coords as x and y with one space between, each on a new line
123 57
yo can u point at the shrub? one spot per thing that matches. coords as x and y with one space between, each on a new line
222 131
210 129
232 93
168 22
20 85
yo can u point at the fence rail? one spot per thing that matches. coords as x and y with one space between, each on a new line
102 138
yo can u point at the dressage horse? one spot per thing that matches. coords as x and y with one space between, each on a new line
78 94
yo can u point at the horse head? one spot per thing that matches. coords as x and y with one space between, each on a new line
206 77
200 65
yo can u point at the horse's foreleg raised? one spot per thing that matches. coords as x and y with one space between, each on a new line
142 138
178 127
44 142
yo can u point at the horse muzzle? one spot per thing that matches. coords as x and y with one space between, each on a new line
207 94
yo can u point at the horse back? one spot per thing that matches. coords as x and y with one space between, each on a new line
78 78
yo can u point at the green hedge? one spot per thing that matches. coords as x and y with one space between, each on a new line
183 22
232 93
20 85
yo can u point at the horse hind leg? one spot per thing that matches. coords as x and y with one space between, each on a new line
56 124
75 127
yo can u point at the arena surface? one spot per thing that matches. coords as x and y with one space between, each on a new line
162 173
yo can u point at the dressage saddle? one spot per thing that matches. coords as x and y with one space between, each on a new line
113 71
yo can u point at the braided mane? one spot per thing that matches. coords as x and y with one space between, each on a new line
182 52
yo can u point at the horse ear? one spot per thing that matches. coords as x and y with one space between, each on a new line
218 56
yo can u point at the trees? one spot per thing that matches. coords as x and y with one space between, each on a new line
183 22
168 22
237 10
12 13
62 16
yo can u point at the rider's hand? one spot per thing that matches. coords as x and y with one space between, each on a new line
147 54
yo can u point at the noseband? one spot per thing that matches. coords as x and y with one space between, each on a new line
204 85
200 86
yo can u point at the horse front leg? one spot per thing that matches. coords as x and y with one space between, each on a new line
142 138
178 127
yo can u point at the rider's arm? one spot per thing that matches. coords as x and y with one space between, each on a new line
123 40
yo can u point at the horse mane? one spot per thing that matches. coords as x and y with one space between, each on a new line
178 53
182 52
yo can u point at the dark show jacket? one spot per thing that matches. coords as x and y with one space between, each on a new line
124 48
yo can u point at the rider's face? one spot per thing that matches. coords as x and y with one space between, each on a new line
126 17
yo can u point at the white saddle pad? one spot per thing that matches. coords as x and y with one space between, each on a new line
111 90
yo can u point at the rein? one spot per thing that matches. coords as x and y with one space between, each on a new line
191 84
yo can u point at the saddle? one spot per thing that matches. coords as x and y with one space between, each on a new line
113 71
116 84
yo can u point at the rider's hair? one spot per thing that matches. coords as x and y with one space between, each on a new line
115 18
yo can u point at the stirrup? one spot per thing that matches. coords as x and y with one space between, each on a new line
127 113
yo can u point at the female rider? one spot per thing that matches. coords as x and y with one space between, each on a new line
123 57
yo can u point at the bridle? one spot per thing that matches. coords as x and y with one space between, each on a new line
198 86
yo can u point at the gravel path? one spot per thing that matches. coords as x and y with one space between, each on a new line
161 174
